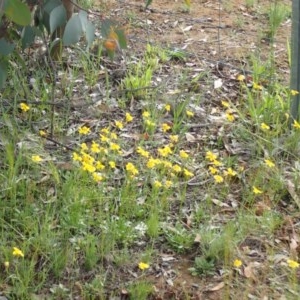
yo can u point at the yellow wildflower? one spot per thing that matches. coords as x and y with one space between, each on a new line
264 126
225 104
84 130
294 93
176 168
128 117
146 114
112 164
165 127
152 162
210 156
293 264
99 165
168 183
257 86
237 263
164 151
119 124
76 157
187 173
24 107
88 167
97 177
230 172
269 163
17 252
104 138
105 131
213 170
218 178
88 159
115 147
241 77
130 168
167 107
113 136
84 147
189 113
36 158
142 152
216 163
229 117
157 184
149 124
42 133
256 190
95 148
174 138
296 125
183 154
143 266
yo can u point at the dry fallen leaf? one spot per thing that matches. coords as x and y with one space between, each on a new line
189 137
218 83
197 238
248 272
219 203
216 287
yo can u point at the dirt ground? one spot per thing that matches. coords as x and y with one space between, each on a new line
219 37
213 31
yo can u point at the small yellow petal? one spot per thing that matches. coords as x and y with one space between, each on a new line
294 93
36 158
143 266
264 126
256 190
17 252
293 264
269 163
237 263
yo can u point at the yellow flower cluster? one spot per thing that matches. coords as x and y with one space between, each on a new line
101 157
216 168
24 107
229 113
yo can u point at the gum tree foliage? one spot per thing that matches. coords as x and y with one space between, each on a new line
53 20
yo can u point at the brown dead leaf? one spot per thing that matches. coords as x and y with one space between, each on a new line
294 247
261 207
197 238
189 137
248 272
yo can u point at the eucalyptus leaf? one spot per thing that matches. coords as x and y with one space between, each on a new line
6 47
58 17
83 16
28 36
121 38
90 33
73 31
18 12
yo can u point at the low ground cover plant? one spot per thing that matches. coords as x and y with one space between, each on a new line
152 185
